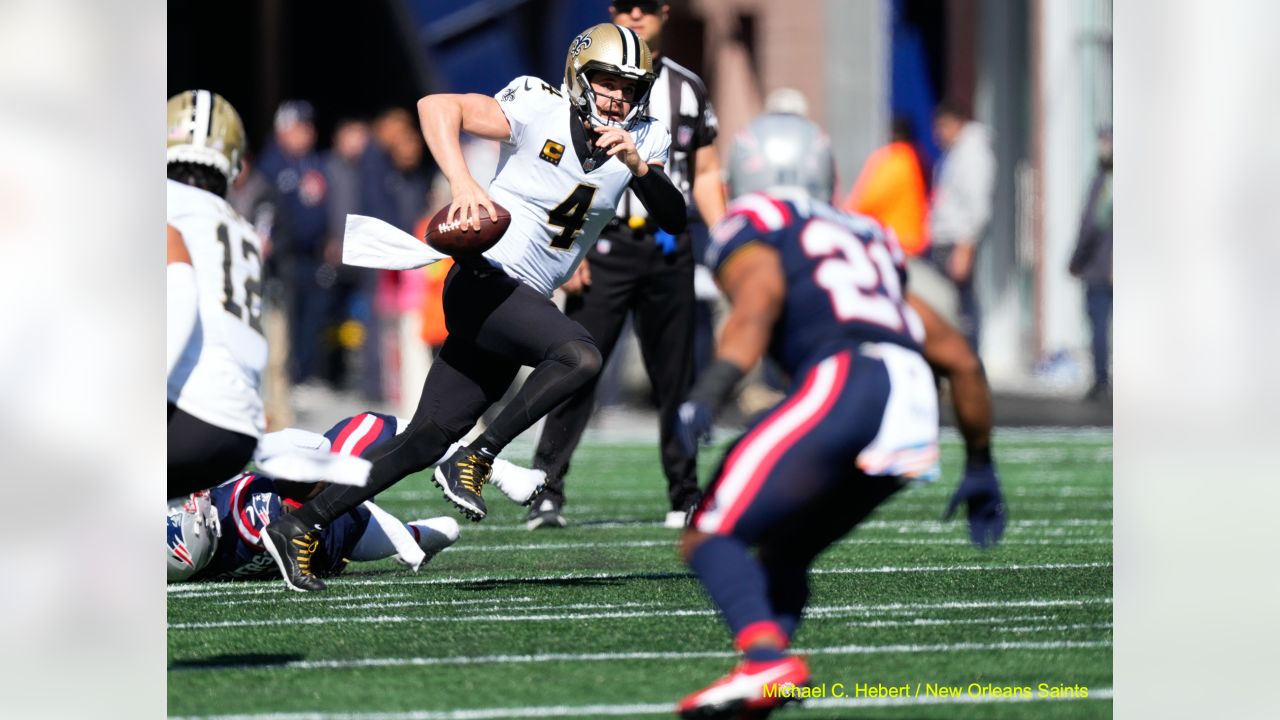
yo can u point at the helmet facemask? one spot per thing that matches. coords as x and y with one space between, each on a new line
638 105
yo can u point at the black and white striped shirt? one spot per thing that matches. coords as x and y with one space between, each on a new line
680 99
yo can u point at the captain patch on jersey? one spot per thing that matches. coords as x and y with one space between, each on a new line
559 200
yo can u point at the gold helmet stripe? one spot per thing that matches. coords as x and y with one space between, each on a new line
204 117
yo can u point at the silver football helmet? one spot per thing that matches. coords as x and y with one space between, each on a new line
613 49
782 152
193 532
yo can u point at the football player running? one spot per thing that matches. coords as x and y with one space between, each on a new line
822 293
216 350
568 154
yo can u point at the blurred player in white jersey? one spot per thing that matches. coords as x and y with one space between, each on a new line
216 350
568 154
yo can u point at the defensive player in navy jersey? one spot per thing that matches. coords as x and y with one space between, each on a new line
216 535
568 155
822 293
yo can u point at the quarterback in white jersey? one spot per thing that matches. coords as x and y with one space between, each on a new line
217 351
559 200
568 153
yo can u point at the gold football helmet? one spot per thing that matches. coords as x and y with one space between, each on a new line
205 129
613 49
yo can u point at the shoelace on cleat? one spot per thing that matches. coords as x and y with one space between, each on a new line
470 479
307 544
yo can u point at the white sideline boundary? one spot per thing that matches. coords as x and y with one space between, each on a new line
814 612
850 542
553 711
221 589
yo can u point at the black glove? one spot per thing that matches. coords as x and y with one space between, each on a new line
693 425
980 491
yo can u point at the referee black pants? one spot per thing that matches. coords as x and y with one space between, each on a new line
630 273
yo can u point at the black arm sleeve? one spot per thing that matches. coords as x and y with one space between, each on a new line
661 198
716 383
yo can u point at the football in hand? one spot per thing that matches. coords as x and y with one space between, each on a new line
460 238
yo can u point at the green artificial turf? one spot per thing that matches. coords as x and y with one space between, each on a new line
602 620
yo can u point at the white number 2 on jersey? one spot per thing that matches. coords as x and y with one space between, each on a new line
860 278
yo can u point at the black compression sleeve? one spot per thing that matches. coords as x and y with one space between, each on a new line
661 198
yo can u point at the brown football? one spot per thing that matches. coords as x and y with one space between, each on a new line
459 238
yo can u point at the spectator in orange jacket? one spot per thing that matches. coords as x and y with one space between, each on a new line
891 189
433 329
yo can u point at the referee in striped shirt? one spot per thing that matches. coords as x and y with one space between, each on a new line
637 268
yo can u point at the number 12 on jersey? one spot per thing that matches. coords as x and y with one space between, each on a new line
252 312
571 215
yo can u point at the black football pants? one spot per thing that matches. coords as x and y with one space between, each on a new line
496 324
631 274
201 455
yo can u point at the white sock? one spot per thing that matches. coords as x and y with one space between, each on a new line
435 534
374 544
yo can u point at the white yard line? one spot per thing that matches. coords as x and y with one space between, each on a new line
956 568
930 622
851 540
214 589
613 612
1054 628
901 525
895 649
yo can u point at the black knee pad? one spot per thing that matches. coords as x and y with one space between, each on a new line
582 357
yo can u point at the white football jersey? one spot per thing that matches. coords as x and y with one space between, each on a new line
217 378
557 208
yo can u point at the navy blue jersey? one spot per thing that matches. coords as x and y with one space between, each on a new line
845 276
246 504
357 434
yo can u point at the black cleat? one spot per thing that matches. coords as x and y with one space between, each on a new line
291 545
462 478
544 514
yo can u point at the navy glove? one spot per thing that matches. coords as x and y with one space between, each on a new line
693 425
980 491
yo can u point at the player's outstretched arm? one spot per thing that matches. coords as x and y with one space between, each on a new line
949 353
979 491
182 297
442 117
753 281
